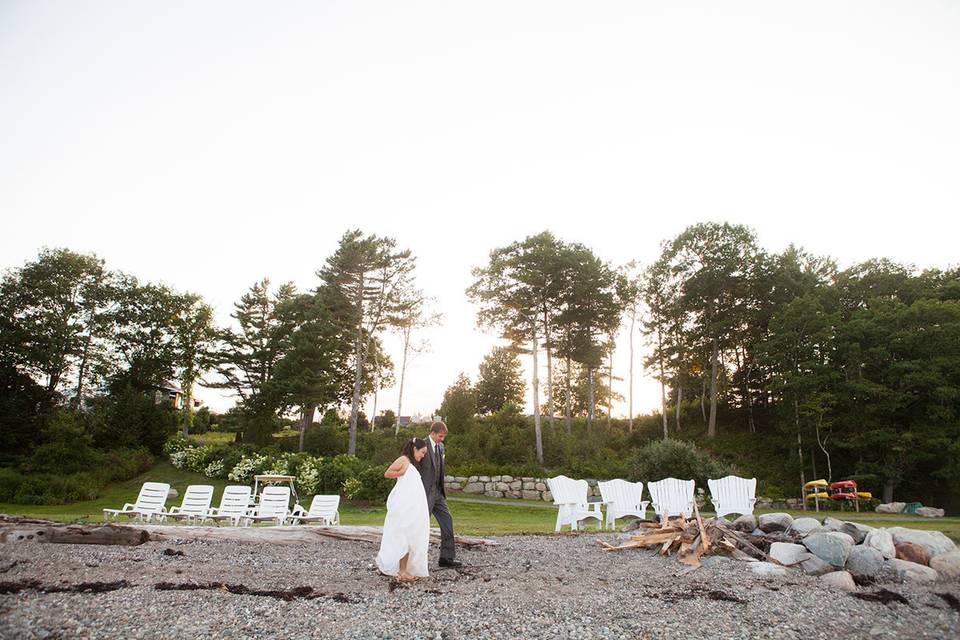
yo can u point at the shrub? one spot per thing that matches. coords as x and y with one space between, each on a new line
373 486
351 487
10 481
678 459
308 475
123 464
248 467
44 488
336 470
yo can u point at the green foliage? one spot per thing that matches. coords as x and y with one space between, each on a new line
10 481
500 381
459 403
130 419
373 486
677 459
48 488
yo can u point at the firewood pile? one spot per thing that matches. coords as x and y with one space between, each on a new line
690 539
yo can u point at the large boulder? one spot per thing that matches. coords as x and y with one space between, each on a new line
804 526
906 571
882 541
841 580
745 523
474 487
855 530
865 561
788 554
912 552
770 522
830 546
890 507
814 566
930 512
947 564
933 541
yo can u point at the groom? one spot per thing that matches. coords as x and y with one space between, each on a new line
431 472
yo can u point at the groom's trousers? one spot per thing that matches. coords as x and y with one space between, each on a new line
445 520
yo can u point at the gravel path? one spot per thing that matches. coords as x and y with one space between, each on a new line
529 586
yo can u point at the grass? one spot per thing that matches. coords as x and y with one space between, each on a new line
472 515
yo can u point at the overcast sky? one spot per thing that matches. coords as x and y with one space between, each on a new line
207 145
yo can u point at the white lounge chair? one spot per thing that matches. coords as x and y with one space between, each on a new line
150 502
733 494
274 506
623 499
195 505
672 497
570 496
234 504
323 509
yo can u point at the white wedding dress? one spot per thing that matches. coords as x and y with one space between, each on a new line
407 527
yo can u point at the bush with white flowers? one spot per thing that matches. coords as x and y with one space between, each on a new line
308 475
248 467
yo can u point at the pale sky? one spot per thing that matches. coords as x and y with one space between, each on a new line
206 145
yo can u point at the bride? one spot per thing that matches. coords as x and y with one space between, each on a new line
406 531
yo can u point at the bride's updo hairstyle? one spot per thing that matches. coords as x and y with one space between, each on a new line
412 445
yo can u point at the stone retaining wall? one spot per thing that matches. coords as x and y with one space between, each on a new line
524 488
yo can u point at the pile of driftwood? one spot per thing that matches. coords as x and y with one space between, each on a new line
691 539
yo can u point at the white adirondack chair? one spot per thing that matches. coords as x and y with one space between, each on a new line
196 503
570 496
733 494
623 499
323 509
672 497
234 504
274 505
150 503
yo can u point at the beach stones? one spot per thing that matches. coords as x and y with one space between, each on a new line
865 561
770 522
934 542
831 546
882 541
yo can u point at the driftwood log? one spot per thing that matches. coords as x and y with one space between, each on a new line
32 530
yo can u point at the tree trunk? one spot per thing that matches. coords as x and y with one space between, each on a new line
536 401
82 372
679 402
546 339
663 383
403 374
703 397
590 400
796 417
633 318
610 389
888 491
187 406
373 416
360 351
306 419
568 410
712 425
823 447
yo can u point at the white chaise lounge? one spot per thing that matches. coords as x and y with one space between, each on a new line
195 504
234 504
323 510
672 497
733 494
570 496
274 506
150 503
623 499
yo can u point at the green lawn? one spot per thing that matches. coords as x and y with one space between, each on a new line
472 515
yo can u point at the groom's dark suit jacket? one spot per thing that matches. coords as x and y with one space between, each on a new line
431 472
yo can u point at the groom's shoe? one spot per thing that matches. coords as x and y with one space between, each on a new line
447 562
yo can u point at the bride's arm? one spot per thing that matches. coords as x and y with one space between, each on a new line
398 468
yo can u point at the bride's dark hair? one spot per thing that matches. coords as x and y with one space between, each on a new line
412 445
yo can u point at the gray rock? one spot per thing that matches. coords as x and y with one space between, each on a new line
841 580
933 541
757 532
906 571
767 569
890 507
882 541
831 546
529 486
856 531
947 564
745 523
865 561
496 478
814 566
712 561
502 486
930 512
547 496
474 487
449 479
172 493
832 524
484 478
493 494
788 554
540 486
770 522
506 479
516 485
454 486
530 495
473 479
805 526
